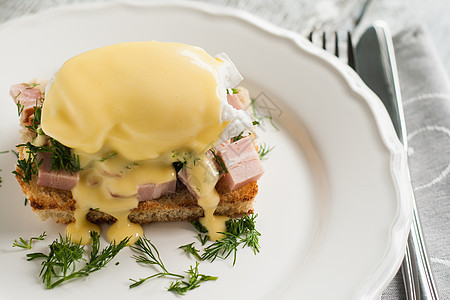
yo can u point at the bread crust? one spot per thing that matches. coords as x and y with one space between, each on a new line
50 203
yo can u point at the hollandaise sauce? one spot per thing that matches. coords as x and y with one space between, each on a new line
203 176
124 109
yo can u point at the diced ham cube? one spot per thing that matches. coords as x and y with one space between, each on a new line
184 178
233 153
153 191
26 98
243 173
62 180
234 101
242 162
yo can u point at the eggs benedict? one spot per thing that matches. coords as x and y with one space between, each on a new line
149 134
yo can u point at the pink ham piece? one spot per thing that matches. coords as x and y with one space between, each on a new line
184 178
62 180
242 162
234 101
28 99
151 191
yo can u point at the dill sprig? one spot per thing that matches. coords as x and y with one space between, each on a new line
219 160
232 91
203 238
263 150
245 229
29 166
61 156
60 264
36 120
20 107
195 278
238 137
222 248
239 232
260 118
149 255
190 248
22 243
61 159
109 156
30 86
183 161
199 226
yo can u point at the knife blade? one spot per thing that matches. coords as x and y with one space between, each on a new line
375 63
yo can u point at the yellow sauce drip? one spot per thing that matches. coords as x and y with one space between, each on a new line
203 176
123 109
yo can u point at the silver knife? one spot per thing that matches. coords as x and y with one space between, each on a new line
376 65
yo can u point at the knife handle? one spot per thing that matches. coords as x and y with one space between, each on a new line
416 270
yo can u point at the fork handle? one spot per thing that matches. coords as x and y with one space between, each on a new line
417 276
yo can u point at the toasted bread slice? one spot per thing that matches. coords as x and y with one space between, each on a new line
181 206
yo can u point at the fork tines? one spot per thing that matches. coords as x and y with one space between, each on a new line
335 47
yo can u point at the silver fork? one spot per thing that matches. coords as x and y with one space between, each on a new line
417 286
336 46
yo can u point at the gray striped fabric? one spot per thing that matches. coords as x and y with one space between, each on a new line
426 96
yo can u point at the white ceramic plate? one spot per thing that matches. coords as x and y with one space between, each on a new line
334 204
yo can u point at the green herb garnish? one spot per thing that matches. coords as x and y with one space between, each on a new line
190 248
195 278
149 255
20 107
29 166
203 238
238 137
219 160
263 150
259 118
30 86
239 232
36 121
232 91
197 225
182 162
60 264
61 159
22 243
61 156
202 229
109 156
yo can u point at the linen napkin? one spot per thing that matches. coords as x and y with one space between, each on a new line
426 99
